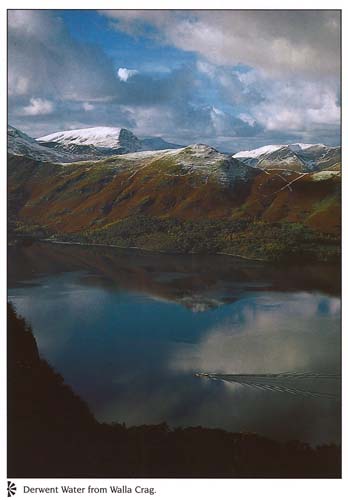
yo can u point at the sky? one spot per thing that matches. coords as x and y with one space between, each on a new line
232 79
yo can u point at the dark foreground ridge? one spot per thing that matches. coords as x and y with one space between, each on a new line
52 433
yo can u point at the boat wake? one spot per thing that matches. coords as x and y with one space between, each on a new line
281 382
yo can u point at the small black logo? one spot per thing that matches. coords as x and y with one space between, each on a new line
11 489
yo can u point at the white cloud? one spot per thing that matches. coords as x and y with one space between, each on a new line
86 106
124 73
206 68
300 106
247 119
276 42
287 92
45 60
17 85
37 106
254 332
150 120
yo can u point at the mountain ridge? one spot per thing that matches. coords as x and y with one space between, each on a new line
94 143
298 157
270 148
97 143
188 200
111 138
21 144
100 142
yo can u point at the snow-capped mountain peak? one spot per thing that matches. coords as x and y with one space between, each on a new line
271 148
103 140
298 156
255 153
102 137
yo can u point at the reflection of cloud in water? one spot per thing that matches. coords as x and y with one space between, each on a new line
58 309
130 351
269 334
272 333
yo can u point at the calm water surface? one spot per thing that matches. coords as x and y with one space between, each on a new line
129 331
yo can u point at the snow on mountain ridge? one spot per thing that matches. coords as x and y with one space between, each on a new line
107 137
271 148
255 153
21 144
116 138
97 143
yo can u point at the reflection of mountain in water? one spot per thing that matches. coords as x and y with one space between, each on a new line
198 303
128 342
199 283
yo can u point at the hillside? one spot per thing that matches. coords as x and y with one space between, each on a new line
192 199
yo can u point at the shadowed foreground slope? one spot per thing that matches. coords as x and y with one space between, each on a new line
52 433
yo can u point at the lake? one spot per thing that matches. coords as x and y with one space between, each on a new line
130 331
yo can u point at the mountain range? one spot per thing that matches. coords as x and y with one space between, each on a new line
82 144
102 142
298 157
188 199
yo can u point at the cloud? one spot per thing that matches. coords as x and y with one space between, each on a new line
253 78
301 106
87 106
37 106
276 42
258 328
124 73
306 109
187 123
247 119
45 61
72 71
46 65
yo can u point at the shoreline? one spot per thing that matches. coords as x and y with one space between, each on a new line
236 256
22 238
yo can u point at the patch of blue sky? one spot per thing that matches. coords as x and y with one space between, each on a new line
141 52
